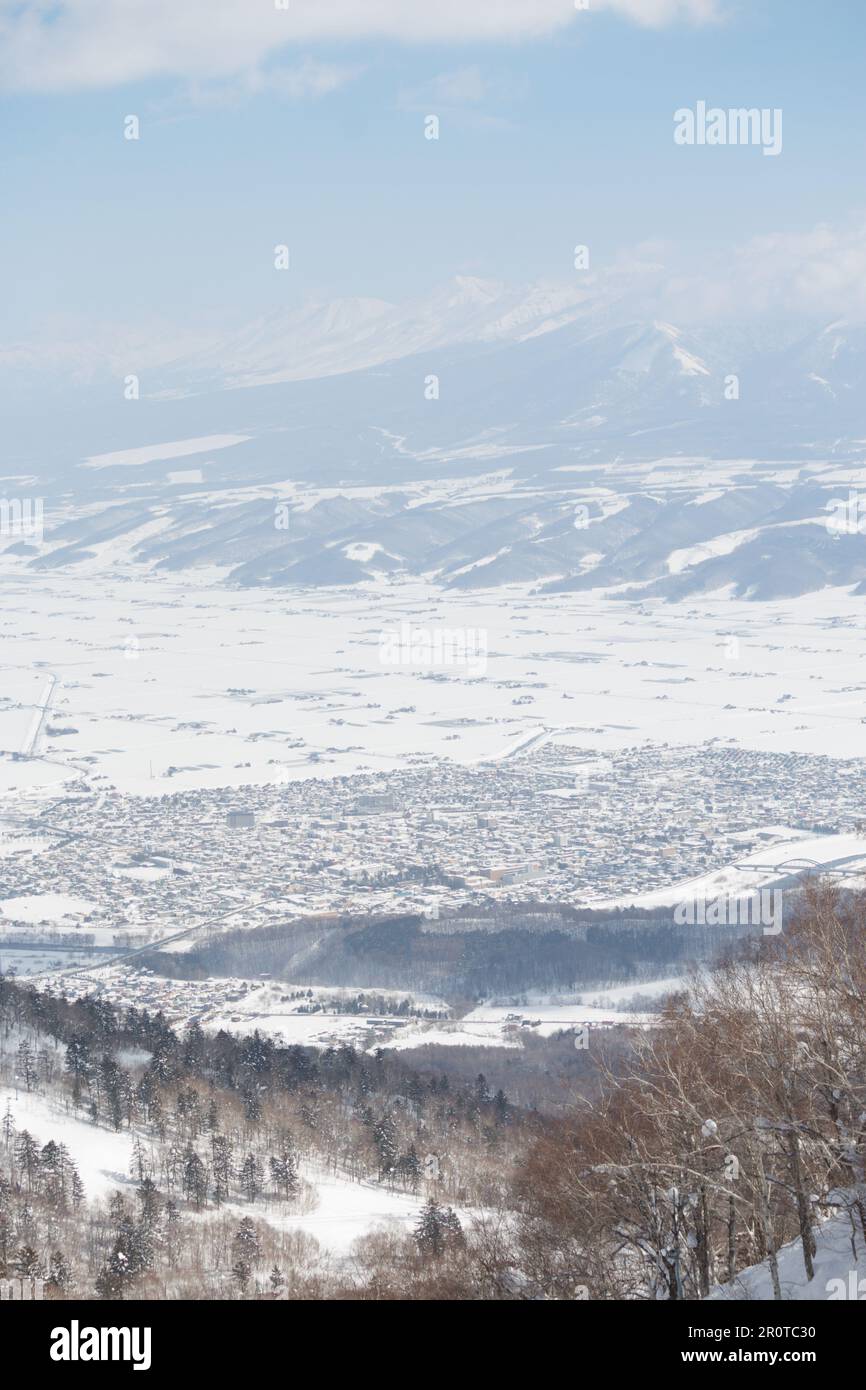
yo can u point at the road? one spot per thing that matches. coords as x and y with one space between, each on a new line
32 739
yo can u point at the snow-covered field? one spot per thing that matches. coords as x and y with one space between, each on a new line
171 685
270 1009
344 1210
45 907
465 1034
488 1025
499 1025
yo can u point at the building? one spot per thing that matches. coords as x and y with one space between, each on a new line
240 820
376 803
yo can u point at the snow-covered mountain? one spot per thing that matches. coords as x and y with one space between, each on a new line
566 444
347 335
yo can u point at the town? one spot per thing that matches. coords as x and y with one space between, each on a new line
555 825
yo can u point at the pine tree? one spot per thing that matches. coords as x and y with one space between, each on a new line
59 1275
76 1187
284 1174
172 1232
252 1106
251 1177
27 1156
26 1064
385 1139
221 1168
409 1167
148 1195
246 1251
27 1262
437 1229
194 1045
430 1230
114 1278
51 1167
194 1178
79 1063
138 1164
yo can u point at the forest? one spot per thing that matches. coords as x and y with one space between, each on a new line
697 1149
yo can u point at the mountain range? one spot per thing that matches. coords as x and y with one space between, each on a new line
481 436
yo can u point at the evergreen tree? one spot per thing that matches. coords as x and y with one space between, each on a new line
430 1230
26 1064
27 1263
76 1187
114 1279
194 1178
51 1167
148 1195
172 1232
385 1139
79 1063
251 1177
27 1157
246 1251
242 1270
284 1174
437 1229
59 1275
221 1167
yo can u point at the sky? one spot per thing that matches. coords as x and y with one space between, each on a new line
305 126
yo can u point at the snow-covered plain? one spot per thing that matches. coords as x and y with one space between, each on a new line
168 685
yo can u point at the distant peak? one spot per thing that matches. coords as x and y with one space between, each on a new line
479 291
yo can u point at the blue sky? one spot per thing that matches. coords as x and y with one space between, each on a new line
547 138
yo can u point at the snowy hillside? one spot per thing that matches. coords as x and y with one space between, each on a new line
839 1268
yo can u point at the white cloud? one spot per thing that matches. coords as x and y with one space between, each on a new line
657 12
465 87
460 88
814 273
299 82
48 45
